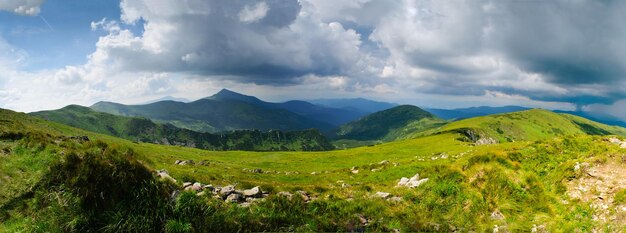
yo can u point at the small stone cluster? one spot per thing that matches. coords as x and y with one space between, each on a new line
412 182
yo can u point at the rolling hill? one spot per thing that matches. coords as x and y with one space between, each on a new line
228 110
144 130
54 181
389 124
528 125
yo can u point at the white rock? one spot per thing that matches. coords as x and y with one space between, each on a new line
403 181
355 171
253 192
382 195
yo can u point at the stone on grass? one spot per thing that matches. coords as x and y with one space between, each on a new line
253 192
383 195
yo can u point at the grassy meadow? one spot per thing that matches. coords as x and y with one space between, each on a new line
51 182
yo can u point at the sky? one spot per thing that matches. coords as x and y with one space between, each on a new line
559 54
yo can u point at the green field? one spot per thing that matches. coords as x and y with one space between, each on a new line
50 182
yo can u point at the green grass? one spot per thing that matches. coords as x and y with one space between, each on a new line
525 180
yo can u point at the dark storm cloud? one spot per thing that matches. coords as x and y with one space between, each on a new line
265 42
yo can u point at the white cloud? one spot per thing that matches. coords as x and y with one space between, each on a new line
22 7
254 13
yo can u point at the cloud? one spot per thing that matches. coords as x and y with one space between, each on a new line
269 42
616 110
253 14
22 7
556 53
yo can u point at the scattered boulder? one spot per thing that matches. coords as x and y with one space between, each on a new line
375 169
196 187
163 174
184 162
413 182
204 162
258 170
581 166
234 197
382 195
187 184
208 187
305 196
344 185
253 192
395 199
227 190
384 162
403 181
355 171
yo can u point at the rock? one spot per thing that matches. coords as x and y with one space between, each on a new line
208 187
375 169
200 193
382 195
178 162
245 205
258 170
253 192
353 168
165 176
344 185
581 166
204 162
403 181
395 199
412 182
355 171
496 229
234 197
364 221
227 190
313 173
415 184
196 187
496 215
384 162
187 184
305 196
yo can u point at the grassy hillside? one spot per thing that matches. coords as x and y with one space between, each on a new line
53 182
389 124
529 125
144 130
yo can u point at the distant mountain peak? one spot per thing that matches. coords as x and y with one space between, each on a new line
226 94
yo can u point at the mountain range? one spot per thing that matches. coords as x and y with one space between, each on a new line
144 130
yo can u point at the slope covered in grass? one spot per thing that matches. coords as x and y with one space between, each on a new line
529 125
517 186
389 124
144 130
